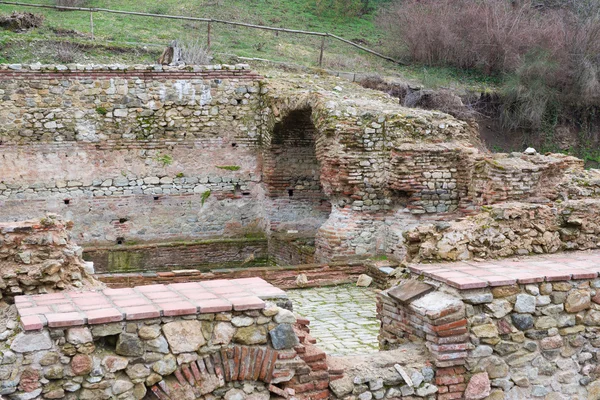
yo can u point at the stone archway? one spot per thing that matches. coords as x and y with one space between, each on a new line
296 200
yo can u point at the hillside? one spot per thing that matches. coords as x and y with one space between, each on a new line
66 36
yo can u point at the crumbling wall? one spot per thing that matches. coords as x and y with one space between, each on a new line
294 196
147 154
508 229
536 340
39 256
114 346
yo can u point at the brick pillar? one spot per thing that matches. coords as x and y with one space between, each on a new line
438 319
311 381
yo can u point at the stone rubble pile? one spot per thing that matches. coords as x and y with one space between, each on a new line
38 256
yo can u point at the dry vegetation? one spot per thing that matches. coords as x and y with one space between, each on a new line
547 52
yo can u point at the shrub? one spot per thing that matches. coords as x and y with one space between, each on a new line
194 51
67 52
549 55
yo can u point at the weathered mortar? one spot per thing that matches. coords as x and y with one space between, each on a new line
146 154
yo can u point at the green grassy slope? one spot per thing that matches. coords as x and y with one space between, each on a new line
135 39
294 14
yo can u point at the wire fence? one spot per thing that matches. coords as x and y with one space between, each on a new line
209 23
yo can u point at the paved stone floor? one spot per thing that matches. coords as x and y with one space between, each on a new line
342 318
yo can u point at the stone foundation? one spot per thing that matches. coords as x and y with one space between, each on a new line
179 341
523 329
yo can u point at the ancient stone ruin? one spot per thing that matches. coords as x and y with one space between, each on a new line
198 193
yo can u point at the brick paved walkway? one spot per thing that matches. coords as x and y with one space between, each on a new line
549 268
342 318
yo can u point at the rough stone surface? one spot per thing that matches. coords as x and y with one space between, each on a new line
479 387
81 364
129 345
283 337
27 342
184 336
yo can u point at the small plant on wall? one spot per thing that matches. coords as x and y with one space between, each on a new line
229 167
164 159
205 196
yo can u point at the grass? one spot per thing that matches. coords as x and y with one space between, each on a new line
135 39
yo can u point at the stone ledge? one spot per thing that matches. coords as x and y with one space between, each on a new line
475 275
36 67
143 302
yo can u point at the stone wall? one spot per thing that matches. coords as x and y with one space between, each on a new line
437 320
509 229
536 340
198 255
239 347
39 257
148 154
91 103
398 374
285 277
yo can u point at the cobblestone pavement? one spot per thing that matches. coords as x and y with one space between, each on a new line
342 318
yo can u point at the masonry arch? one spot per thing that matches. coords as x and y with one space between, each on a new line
295 199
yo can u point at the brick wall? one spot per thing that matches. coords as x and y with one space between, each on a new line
200 255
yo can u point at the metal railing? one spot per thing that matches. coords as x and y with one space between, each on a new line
209 22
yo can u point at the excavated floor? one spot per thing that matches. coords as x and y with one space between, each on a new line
342 318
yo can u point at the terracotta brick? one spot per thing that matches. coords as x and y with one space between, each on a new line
213 306
180 377
118 292
449 379
141 312
250 281
198 295
458 388
247 303
176 308
152 288
237 356
218 366
319 366
450 396
131 302
58 320
104 316
34 310
196 372
162 295
187 373
159 394
305 387
185 286
260 356
216 283
245 361
32 323
320 395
